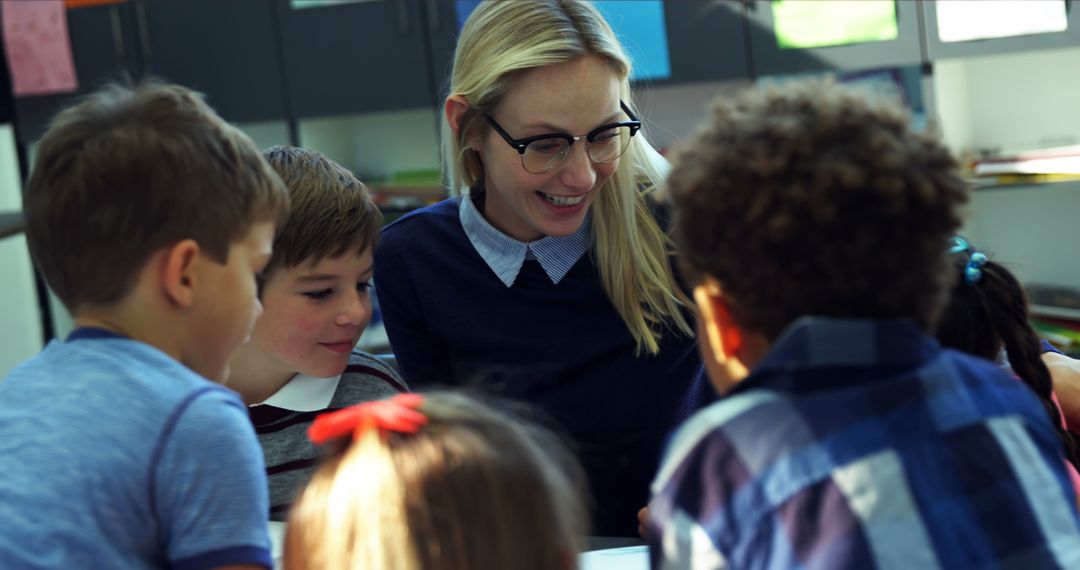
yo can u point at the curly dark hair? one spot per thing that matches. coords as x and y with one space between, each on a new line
815 199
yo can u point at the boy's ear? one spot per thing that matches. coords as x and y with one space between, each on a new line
455 108
179 273
721 332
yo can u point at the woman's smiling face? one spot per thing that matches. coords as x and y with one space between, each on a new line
569 98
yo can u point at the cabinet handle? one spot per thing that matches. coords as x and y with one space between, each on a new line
117 34
144 34
433 15
403 17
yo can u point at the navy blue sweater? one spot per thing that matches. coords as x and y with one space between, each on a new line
563 347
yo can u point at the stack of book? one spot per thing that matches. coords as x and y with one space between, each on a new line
1058 164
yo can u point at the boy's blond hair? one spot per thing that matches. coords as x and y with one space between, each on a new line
814 199
474 489
332 212
128 171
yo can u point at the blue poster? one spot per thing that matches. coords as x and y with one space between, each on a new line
639 25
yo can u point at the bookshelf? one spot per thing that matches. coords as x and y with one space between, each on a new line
1063 313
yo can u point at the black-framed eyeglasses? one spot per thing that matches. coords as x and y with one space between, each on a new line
544 153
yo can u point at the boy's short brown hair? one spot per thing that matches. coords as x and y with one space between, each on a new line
128 171
813 199
332 212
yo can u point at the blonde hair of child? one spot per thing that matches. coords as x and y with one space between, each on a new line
500 40
474 489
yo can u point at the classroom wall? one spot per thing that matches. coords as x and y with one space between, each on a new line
1030 229
376 145
21 334
1011 102
673 113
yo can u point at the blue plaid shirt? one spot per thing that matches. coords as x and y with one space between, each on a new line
505 255
864 444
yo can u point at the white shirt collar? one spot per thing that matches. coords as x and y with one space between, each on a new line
505 255
304 393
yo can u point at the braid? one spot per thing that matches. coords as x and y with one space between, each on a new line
1010 322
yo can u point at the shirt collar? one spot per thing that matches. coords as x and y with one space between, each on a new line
827 342
505 255
93 333
304 393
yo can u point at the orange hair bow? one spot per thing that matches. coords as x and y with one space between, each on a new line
398 414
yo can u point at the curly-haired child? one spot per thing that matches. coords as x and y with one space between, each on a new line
815 221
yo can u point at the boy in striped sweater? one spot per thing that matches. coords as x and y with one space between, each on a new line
302 359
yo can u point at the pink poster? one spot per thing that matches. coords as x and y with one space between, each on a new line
38 47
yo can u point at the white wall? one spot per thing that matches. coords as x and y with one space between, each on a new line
376 145
267 134
673 113
1010 102
20 333
1032 230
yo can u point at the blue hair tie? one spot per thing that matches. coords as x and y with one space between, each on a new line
973 269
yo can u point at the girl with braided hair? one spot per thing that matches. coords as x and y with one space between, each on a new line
987 316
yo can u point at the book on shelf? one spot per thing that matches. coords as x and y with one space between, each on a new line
1055 315
1061 161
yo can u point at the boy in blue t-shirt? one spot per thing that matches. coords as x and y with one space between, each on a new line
149 217
815 224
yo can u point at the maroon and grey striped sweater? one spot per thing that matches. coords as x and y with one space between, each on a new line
290 457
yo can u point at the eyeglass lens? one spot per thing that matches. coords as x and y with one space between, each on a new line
547 154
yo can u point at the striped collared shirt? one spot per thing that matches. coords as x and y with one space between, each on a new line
863 444
505 255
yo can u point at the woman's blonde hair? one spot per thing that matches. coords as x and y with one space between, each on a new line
500 40
473 489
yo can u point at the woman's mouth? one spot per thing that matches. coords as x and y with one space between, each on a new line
563 201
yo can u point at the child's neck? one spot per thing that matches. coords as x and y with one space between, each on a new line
130 324
256 375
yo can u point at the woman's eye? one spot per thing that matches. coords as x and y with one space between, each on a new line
547 147
318 295
363 286
605 136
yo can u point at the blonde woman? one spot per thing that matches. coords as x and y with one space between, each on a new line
440 481
548 276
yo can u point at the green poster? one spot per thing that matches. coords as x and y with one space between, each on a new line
817 23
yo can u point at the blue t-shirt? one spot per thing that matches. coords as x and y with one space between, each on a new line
117 456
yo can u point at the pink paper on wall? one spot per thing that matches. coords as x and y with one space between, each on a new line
38 47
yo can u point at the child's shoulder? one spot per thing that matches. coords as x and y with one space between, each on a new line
127 365
367 377
708 427
421 218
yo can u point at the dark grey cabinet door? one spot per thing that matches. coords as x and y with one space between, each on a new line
706 40
937 49
354 57
441 18
103 48
770 59
225 49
